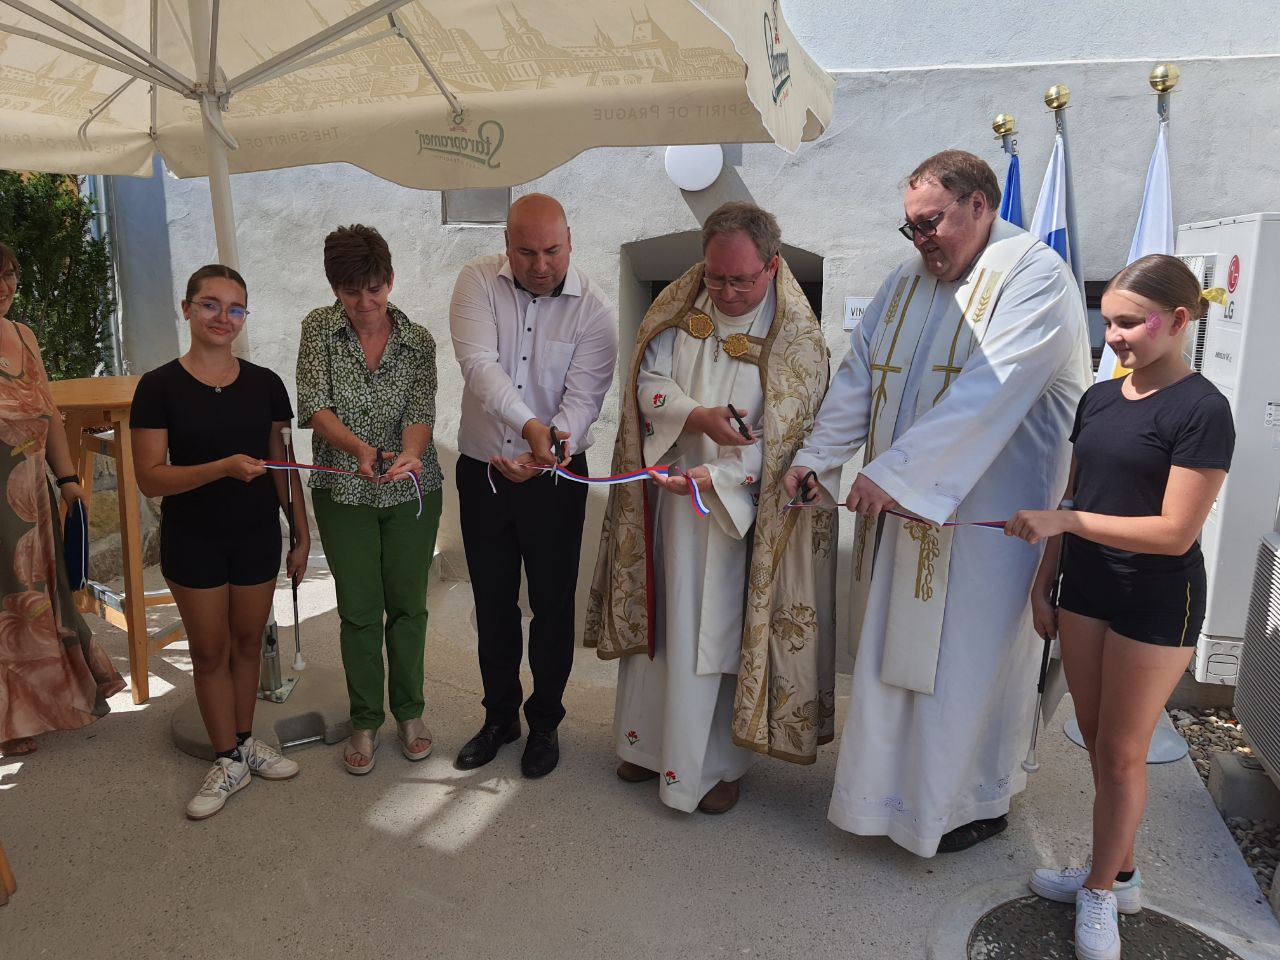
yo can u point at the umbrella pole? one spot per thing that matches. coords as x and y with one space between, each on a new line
224 214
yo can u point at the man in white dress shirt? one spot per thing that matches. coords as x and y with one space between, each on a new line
537 343
960 388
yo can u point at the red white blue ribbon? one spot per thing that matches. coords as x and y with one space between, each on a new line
695 495
288 465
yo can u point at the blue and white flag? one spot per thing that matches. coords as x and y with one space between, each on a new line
1154 233
1049 222
1011 201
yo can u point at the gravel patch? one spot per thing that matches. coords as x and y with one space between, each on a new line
1211 731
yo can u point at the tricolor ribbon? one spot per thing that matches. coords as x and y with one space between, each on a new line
695 495
288 465
992 524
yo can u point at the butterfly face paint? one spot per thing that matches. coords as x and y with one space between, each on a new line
1153 323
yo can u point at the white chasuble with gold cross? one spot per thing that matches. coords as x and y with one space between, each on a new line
922 554
944 681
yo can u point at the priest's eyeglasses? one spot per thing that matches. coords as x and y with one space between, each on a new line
737 284
927 228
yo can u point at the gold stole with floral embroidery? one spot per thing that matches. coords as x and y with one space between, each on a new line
921 552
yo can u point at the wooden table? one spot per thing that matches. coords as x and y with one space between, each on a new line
96 410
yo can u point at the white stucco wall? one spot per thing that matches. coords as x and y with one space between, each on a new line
885 34
839 197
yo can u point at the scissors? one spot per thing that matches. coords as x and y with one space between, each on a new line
379 464
742 426
557 451
804 496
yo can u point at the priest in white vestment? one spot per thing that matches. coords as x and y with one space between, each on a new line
960 389
697 368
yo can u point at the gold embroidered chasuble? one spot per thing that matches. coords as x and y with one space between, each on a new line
785 699
922 554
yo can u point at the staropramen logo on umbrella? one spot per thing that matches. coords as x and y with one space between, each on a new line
481 147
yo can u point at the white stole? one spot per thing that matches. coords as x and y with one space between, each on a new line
922 553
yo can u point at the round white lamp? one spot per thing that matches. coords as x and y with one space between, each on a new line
694 167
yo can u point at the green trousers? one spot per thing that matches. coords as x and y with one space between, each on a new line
380 558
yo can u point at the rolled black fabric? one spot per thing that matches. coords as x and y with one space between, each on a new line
75 545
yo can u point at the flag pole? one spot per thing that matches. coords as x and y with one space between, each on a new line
1164 77
1006 129
1056 99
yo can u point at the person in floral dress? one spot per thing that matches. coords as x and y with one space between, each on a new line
53 674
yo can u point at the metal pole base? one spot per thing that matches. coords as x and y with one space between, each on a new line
281 693
1167 744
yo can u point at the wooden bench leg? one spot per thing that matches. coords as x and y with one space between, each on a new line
7 884
131 554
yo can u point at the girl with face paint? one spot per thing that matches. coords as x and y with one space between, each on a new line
1151 451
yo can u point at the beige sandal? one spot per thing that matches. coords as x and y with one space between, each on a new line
411 731
362 743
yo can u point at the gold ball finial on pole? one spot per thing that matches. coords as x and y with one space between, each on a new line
1057 96
1164 77
1004 125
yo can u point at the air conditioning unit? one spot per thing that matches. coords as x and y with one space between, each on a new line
1258 688
1242 255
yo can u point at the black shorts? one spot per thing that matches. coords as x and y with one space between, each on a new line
243 556
1164 607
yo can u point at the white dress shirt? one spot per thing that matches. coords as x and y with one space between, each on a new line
525 357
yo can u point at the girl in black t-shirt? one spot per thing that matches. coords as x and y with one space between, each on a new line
1151 452
202 426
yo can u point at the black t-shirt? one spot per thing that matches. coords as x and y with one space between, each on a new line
1124 449
205 425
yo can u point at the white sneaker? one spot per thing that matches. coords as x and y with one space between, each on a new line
1097 930
1063 885
266 762
224 778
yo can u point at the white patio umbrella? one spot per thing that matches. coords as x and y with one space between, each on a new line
436 94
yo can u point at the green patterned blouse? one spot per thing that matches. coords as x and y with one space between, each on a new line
374 405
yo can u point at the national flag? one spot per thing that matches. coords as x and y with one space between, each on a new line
1011 201
1049 222
1154 232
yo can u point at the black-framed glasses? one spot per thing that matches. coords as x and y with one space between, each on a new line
927 228
737 284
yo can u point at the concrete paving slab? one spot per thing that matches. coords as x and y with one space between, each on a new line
422 860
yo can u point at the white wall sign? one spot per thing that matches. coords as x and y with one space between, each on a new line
854 307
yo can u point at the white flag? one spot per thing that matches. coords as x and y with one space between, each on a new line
1154 233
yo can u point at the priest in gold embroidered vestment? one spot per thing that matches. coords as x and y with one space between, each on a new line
724 623
960 389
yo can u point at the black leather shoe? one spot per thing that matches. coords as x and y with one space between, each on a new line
484 746
541 754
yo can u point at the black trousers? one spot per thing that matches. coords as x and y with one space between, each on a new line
537 523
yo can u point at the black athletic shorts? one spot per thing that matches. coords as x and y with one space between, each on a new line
241 555
1164 607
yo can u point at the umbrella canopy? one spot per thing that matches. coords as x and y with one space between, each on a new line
432 93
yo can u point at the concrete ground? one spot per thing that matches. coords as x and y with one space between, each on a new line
422 860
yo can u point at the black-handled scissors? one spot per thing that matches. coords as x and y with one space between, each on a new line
804 496
557 451
742 425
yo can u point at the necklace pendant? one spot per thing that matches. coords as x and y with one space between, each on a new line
217 389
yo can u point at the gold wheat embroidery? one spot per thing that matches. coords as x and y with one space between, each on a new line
930 550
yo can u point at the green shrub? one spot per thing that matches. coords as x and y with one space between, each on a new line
64 287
